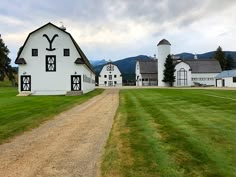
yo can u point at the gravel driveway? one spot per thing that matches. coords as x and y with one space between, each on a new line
69 145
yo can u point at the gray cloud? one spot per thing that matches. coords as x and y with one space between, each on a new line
120 20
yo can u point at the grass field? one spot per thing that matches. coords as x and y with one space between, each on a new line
18 114
172 132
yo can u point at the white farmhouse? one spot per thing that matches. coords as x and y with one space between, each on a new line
188 72
226 78
51 63
110 75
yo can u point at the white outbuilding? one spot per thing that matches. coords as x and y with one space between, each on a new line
146 72
110 75
52 63
226 78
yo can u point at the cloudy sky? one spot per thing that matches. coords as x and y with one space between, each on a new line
115 29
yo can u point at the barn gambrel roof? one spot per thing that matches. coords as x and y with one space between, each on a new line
204 65
148 66
82 60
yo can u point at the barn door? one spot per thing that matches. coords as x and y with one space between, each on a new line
26 83
75 82
223 83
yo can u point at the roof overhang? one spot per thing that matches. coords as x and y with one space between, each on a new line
20 61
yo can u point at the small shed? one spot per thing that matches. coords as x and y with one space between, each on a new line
226 78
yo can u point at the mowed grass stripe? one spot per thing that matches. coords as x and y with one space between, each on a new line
18 114
176 119
179 132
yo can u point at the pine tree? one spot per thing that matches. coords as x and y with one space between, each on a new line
169 71
229 62
6 69
220 56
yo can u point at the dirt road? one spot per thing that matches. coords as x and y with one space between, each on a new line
69 145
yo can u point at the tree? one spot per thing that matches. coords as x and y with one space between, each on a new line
169 71
6 69
229 62
220 56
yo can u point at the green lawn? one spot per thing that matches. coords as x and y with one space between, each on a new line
18 114
172 132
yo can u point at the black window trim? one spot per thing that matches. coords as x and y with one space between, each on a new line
33 52
54 63
66 52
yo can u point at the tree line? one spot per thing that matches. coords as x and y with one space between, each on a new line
6 70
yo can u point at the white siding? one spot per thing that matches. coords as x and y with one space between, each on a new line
204 78
115 76
52 83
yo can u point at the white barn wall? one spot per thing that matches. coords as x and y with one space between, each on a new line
229 82
51 83
89 85
204 78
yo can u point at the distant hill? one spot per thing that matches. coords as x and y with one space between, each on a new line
98 62
207 55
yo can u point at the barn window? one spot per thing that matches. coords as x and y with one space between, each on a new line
66 52
34 52
114 76
105 76
234 79
105 82
114 82
182 77
110 77
110 67
50 63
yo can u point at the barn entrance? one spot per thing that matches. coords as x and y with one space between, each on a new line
75 83
182 77
26 83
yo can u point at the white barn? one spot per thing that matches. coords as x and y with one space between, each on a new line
146 72
188 72
52 63
110 75
226 78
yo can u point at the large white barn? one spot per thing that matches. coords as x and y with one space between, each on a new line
52 63
110 75
188 72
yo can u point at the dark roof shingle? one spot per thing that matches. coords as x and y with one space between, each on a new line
163 42
227 73
204 65
148 66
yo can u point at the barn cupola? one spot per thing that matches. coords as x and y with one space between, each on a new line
62 27
163 51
